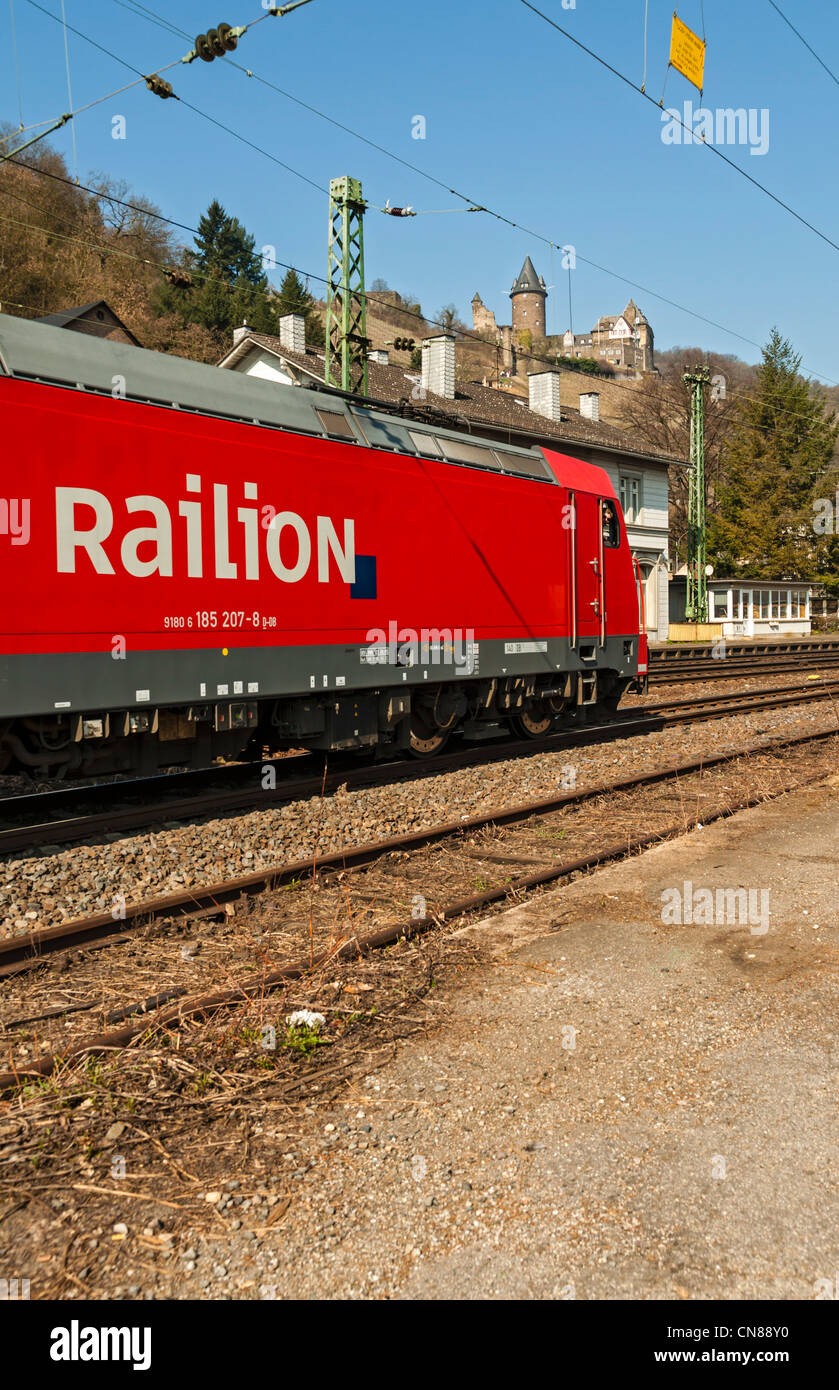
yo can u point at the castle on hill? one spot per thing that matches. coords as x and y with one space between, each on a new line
623 342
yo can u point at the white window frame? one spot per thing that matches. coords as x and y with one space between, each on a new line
627 481
721 596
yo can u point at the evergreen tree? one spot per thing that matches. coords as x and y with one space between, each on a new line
294 298
229 285
224 248
778 455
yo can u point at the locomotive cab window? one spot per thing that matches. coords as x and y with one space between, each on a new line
610 523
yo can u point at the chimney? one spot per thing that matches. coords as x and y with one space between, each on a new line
438 366
293 332
590 405
379 355
240 333
544 394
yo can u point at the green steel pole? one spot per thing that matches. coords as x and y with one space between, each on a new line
696 608
346 305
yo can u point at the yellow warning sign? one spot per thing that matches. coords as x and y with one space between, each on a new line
687 52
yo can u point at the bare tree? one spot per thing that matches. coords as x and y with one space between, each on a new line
657 412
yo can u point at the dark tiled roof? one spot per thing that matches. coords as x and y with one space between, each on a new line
528 282
67 315
108 319
474 403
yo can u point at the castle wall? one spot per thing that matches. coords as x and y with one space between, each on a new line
483 319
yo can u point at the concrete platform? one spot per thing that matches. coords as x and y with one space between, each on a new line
621 1107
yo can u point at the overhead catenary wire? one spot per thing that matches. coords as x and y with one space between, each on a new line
16 304
160 20
141 77
69 90
91 246
474 205
646 4
471 334
70 115
16 58
36 125
831 74
144 260
732 164
101 248
55 122
189 105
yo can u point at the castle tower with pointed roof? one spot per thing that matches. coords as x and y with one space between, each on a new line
528 296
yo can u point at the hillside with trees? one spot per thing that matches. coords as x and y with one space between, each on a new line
779 457
61 245
771 451
771 436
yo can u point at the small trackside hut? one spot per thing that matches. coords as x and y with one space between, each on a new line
749 607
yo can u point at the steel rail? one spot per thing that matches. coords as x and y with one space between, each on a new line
774 646
731 668
24 951
629 723
197 1006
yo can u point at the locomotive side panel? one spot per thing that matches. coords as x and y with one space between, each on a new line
167 549
261 565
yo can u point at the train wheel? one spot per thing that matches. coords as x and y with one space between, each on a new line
424 741
532 723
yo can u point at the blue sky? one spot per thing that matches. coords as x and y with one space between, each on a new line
516 118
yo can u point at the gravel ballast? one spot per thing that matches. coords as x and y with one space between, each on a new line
54 886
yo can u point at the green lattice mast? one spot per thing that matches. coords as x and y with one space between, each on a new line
346 307
696 608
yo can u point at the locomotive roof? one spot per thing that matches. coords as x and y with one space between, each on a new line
40 352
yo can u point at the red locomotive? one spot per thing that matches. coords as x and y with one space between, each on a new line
196 561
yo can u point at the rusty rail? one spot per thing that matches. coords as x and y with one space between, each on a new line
202 1005
19 953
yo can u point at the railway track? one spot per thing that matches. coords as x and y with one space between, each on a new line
679 667
787 646
173 1006
153 801
168 795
